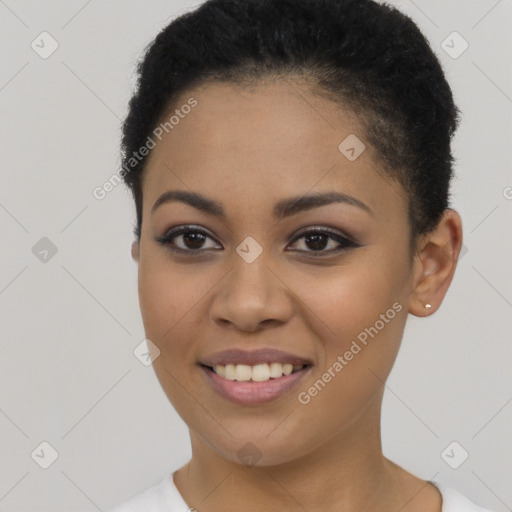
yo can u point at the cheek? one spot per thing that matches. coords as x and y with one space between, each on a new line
346 300
173 304
359 318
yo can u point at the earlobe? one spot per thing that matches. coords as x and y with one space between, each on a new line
135 250
435 265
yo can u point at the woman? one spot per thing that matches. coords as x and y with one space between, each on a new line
290 163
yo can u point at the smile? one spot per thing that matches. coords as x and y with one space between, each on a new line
256 373
259 384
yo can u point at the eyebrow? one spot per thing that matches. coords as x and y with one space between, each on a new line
282 209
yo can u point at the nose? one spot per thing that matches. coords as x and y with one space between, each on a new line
251 297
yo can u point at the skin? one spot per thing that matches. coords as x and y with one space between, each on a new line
248 148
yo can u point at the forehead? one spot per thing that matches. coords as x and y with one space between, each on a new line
249 145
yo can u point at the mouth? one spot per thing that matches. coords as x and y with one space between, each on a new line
255 373
254 385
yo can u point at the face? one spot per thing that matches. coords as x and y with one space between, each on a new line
325 281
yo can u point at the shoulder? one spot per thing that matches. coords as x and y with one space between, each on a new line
162 497
454 501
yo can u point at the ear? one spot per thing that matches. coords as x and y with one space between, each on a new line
135 250
434 264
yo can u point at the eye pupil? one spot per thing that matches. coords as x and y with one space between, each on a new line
315 238
197 239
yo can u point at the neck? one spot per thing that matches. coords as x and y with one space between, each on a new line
347 472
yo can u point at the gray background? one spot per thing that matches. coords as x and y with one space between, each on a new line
70 323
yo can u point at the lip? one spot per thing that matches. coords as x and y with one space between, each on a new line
253 357
254 393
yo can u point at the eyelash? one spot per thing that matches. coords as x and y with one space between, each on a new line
346 243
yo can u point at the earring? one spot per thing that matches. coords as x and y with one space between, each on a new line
428 306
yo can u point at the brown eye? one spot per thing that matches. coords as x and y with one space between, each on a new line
324 242
317 241
186 239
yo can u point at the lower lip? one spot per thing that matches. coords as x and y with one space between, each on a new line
254 393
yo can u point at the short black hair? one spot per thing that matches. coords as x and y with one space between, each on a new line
368 56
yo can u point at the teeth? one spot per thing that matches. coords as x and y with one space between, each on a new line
220 370
256 373
229 371
260 372
243 372
276 370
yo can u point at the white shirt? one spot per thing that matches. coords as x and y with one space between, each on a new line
165 497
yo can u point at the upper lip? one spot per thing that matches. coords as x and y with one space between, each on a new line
253 357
